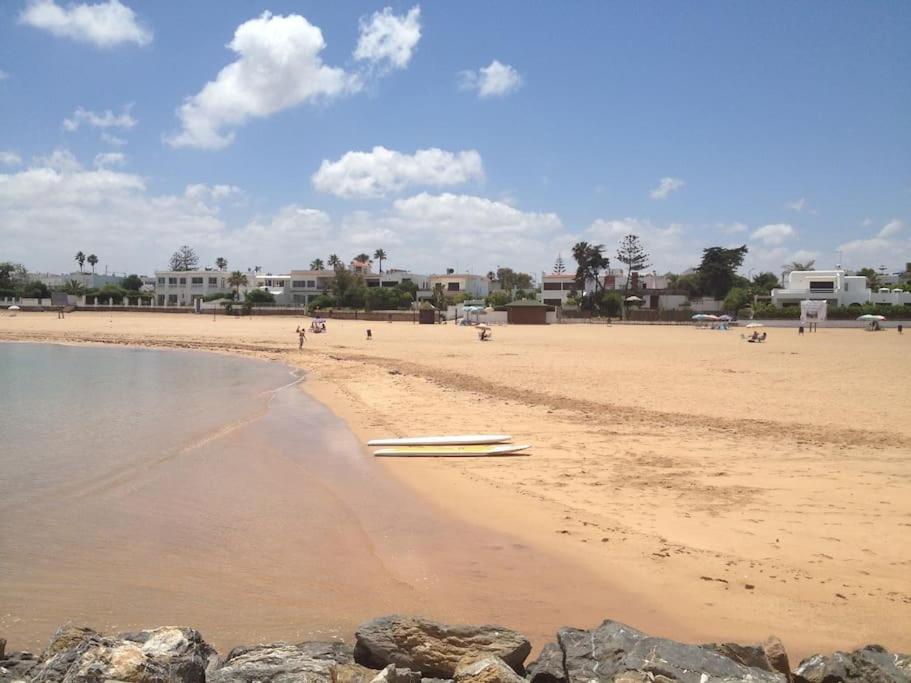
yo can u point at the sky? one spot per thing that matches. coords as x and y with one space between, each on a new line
468 135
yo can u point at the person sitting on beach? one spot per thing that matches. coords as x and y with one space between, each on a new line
763 336
484 334
754 337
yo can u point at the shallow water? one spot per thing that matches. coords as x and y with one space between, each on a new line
140 488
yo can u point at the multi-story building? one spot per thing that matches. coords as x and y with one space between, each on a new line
395 277
477 286
556 287
184 287
834 286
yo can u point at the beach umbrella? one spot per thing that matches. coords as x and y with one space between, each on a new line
701 316
755 325
869 316
724 317
633 299
14 308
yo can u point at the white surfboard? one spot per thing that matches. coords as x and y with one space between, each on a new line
453 440
472 451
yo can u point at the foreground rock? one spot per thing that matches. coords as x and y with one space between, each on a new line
616 652
280 662
159 655
871 663
487 670
433 648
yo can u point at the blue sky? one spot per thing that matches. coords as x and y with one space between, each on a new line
468 135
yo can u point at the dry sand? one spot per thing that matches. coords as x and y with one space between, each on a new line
740 489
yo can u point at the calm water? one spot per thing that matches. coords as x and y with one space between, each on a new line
140 488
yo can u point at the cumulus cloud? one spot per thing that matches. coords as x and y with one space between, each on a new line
382 171
278 66
108 159
671 246
105 119
888 245
494 80
103 24
665 187
9 158
112 139
388 40
774 234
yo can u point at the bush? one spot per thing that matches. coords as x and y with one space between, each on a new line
258 296
500 298
218 295
611 304
323 301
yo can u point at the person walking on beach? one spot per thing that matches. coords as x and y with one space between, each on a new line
800 329
899 328
369 335
301 338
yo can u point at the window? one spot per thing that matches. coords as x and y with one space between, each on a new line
161 298
298 284
822 286
389 283
311 284
183 280
161 280
553 285
452 286
279 283
172 280
196 281
569 286
213 281
172 299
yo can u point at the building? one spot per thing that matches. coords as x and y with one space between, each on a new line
395 277
556 287
834 286
88 280
476 286
528 313
184 287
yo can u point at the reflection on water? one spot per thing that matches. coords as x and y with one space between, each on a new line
143 488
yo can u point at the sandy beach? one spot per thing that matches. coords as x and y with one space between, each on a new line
731 490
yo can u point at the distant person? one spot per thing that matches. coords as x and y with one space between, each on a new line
60 313
800 329
899 328
301 337
369 335
763 336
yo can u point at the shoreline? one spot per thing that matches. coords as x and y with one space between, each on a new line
354 384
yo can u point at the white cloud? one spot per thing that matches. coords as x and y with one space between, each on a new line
733 228
494 80
774 235
797 204
382 171
867 222
213 195
105 119
104 24
108 159
112 139
388 40
9 158
888 246
891 228
278 67
3 75
665 187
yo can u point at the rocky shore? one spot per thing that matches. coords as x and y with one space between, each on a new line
399 649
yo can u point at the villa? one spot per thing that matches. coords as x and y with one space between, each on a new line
476 286
835 287
184 287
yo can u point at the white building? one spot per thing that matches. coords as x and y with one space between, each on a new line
476 286
833 286
556 287
184 287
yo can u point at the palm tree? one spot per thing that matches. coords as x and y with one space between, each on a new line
334 261
221 263
797 265
380 256
93 261
365 259
237 280
80 259
317 264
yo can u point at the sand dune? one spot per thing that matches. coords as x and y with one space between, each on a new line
743 489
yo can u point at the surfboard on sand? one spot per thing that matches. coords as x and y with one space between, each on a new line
453 440
473 451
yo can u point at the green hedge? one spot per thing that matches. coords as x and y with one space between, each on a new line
835 312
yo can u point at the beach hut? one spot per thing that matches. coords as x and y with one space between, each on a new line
527 313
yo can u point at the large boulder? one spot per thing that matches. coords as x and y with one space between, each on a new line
770 656
285 663
15 666
486 670
169 654
614 651
871 663
433 648
548 668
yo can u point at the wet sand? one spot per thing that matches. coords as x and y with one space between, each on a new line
721 490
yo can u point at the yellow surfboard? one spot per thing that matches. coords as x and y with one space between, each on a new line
453 451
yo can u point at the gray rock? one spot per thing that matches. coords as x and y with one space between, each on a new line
393 674
770 656
163 655
548 668
614 652
285 663
432 648
871 663
15 666
487 670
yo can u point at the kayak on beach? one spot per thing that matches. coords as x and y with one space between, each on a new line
475 450
453 440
